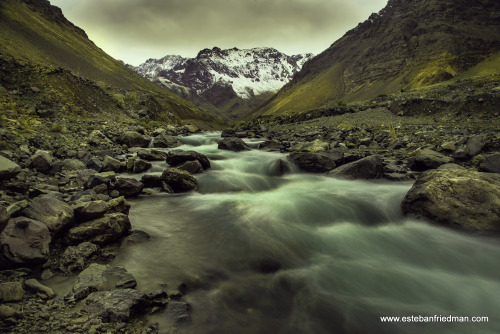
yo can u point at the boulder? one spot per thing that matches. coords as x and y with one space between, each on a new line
141 166
233 144
370 167
102 231
42 161
85 211
428 159
152 155
166 141
98 179
56 214
11 292
192 167
8 168
177 157
110 164
490 163
313 162
77 258
95 164
474 145
117 305
129 187
24 242
179 311
179 180
463 199
101 277
4 218
135 139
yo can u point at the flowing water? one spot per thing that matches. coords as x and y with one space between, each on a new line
303 253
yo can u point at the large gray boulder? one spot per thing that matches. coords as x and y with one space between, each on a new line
100 277
177 157
102 231
117 305
233 144
463 199
371 167
179 180
315 162
426 159
11 292
24 242
110 164
57 215
8 168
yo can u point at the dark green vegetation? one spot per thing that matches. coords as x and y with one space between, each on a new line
49 68
407 46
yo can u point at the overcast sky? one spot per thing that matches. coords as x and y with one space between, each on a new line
136 30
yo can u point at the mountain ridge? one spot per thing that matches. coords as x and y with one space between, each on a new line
227 78
407 45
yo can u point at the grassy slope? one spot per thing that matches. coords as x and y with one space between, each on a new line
29 36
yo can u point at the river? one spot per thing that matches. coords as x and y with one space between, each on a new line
303 253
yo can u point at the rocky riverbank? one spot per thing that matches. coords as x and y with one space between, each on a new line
65 201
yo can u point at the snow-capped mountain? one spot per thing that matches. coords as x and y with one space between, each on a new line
221 75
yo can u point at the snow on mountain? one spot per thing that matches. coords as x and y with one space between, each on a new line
250 72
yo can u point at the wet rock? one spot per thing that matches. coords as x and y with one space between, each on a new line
152 155
177 157
135 139
4 217
11 292
129 187
116 305
42 161
57 215
99 277
271 145
72 165
102 231
179 311
166 141
110 164
428 159
136 237
179 180
371 167
233 144
490 163
192 167
34 286
457 198
313 162
24 242
77 258
8 168
141 166
280 167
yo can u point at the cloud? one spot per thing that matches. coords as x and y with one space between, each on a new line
133 27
